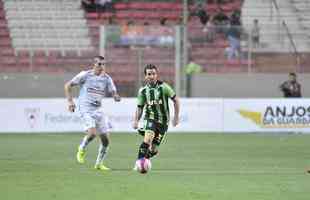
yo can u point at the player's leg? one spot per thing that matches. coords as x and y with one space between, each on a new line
103 129
157 140
102 152
90 127
148 133
145 145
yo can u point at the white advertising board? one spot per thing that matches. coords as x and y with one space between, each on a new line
197 115
51 115
266 115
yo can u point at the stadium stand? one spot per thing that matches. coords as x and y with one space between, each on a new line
6 49
58 36
57 25
271 17
45 33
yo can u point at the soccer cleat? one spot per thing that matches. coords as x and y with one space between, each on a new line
80 156
141 131
102 167
135 168
152 153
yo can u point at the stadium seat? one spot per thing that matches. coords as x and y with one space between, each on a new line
7 51
121 6
92 15
137 5
105 15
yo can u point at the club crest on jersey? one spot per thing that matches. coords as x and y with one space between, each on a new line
96 91
155 102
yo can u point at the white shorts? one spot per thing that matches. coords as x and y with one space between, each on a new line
96 119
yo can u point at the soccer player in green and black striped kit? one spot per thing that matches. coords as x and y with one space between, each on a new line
153 98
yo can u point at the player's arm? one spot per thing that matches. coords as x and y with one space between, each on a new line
176 104
113 90
68 94
299 90
116 96
282 86
79 79
137 116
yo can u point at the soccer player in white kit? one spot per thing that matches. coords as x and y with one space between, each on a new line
93 84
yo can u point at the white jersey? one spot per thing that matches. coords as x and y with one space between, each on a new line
92 89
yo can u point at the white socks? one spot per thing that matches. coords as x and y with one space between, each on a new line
86 140
102 152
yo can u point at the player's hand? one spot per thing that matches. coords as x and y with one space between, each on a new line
175 121
135 124
117 98
71 106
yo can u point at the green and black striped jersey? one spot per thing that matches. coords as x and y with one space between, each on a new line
154 99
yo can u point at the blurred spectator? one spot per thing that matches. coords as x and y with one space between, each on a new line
223 1
89 5
209 29
104 5
191 69
163 21
219 1
200 12
221 21
97 5
235 18
255 33
165 33
291 88
233 36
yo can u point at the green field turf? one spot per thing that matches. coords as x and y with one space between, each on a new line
190 166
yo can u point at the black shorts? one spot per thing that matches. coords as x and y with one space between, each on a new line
158 128
255 39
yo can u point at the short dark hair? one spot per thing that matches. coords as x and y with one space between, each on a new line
292 74
99 57
149 66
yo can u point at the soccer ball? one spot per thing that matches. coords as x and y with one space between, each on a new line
143 165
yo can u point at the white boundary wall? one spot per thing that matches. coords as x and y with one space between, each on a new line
197 115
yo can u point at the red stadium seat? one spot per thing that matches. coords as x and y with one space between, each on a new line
123 15
105 15
8 61
92 15
23 53
7 51
211 8
2 15
4 32
164 5
177 6
121 6
5 42
154 15
172 15
71 54
39 53
139 15
137 5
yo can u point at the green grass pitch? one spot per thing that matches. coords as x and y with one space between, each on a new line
189 166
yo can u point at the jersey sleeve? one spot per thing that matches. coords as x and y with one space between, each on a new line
169 91
79 79
111 85
141 98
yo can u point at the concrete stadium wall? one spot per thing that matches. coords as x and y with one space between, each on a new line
33 85
203 85
243 85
